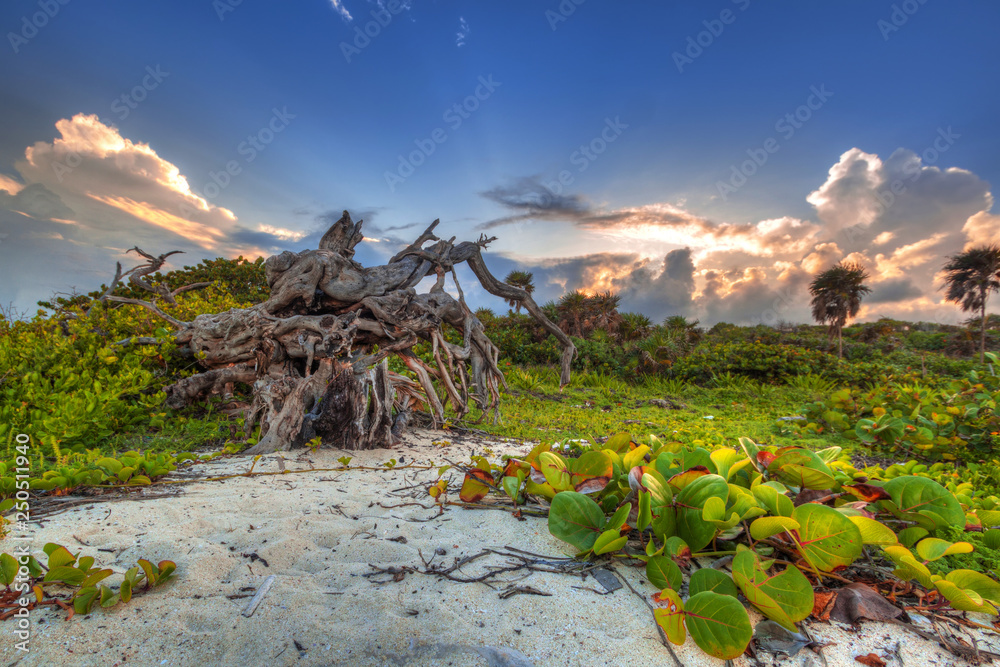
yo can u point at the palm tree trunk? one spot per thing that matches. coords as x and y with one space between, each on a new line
982 332
840 342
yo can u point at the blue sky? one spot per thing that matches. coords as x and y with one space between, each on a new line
649 111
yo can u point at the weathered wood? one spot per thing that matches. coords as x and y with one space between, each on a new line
315 353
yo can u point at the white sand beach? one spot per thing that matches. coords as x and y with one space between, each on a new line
317 532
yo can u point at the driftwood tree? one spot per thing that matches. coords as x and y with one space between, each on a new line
316 352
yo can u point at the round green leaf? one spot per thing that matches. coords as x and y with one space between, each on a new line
719 624
827 538
575 518
927 497
786 597
709 579
689 503
663 572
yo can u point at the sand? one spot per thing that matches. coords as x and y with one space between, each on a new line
317 532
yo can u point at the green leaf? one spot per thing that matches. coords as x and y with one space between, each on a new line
8 569
908 567
909 536
786 597
108 597
827 539
719 624
670 617
663 572
766 526
924 496
58 555
976 581
724 460
66 574
690 501
619 518
873 532
645 516
964 599
166 568
932 548
609 541
576 519
556 470
83 601
773 501
94 578
709 579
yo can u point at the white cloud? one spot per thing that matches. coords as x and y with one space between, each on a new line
338 5
463 32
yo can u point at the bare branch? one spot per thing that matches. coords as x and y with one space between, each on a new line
145 304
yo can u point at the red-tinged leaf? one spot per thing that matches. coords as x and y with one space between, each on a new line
871 660
473 487
866 492
682 479
513 466
592 485
765 458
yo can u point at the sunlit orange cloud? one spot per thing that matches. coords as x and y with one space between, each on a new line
604 279
10 185
205 236
909 256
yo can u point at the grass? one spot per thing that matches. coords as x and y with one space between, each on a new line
595 405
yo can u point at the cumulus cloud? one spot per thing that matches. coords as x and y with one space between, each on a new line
899 217
91 193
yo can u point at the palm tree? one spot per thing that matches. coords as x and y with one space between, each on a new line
970 276
604 307
634 326
572 309
523 280
837 295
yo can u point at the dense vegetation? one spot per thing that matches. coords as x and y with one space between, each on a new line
726 427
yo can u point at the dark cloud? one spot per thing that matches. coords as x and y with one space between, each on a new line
532 200
893 291
37 201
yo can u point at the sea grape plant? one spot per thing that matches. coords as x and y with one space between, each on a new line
791 519
71 581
